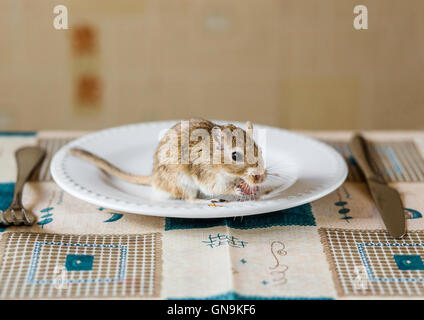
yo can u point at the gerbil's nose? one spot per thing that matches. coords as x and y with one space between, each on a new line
259 177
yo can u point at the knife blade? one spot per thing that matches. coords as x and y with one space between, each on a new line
386 198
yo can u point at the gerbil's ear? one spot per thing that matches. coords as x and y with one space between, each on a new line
218 138
249 125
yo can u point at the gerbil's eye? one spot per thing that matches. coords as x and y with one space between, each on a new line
236 156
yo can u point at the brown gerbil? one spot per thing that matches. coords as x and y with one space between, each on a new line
199 159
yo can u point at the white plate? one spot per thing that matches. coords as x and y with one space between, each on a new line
311 169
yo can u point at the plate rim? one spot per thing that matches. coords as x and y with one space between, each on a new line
265 206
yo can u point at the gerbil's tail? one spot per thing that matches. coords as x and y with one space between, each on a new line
110 168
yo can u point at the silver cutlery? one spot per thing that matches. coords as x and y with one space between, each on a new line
386 198
27 160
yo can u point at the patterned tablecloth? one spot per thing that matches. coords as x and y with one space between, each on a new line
332 248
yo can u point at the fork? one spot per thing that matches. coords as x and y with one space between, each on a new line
27 160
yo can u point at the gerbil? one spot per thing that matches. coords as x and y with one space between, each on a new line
198 159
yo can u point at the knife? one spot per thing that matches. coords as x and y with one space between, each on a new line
387 199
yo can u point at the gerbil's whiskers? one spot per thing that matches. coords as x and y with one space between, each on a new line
278 177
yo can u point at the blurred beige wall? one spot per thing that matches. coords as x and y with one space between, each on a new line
291 63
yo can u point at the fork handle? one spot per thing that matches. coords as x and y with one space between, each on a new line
27 160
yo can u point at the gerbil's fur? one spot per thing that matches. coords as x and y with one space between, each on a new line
110 168
189 177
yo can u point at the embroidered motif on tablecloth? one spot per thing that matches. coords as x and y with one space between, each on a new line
36 265
370 262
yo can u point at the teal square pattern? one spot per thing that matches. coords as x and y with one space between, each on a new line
409 262
6 195
48 265
297 216
72 264
79 262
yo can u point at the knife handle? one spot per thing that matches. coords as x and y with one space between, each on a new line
361 153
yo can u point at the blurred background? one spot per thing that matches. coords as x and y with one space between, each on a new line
297 64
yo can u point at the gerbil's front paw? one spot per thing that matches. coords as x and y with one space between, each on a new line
238 191
246 189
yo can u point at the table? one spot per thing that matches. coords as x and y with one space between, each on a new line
332 248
